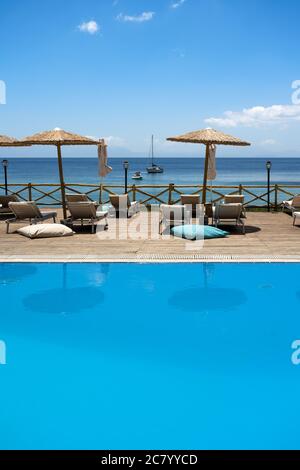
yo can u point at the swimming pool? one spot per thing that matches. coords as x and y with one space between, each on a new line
149 356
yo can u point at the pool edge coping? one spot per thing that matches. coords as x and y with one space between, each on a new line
152 258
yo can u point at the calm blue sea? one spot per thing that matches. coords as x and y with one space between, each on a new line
147 356
177 170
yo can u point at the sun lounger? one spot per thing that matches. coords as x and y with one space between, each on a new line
296 218
4 201
236 198
85 212
292 204
79 198
172 215
223 213
192 203
123 207
28 211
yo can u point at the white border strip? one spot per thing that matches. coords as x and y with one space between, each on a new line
152 258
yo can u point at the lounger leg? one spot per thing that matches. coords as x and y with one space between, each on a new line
7 227
243 226
54 219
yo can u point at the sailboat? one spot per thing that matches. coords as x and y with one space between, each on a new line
154 168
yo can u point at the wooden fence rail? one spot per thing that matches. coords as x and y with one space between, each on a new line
48 194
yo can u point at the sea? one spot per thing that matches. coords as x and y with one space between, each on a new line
230 171
180 171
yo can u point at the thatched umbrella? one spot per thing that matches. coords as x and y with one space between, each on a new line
6 141
59 137
208 137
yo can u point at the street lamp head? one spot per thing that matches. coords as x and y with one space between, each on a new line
126 165
5 163
269 165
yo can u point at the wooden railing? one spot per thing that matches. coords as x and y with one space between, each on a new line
49 194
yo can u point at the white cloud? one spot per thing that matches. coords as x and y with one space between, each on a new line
114 141
90 27
253 117
268 142
178 4
145 16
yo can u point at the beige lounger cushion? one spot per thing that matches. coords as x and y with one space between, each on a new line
45 231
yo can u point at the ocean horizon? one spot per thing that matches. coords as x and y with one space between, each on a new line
181 171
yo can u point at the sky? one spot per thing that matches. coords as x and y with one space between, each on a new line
126 69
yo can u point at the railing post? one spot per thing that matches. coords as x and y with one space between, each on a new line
133 192
276 197
29 192
171 186
240 189
100 194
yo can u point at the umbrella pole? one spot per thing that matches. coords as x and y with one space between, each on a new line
62 182
205 175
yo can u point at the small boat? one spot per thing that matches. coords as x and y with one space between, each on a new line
137 176
154 168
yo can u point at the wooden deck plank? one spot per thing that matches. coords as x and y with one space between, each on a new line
267 234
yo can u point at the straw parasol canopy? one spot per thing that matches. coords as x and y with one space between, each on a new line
208 137
59 137
6 141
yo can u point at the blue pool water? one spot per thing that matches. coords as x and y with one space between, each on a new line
176 356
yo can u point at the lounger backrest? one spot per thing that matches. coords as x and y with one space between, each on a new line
228 211
25 210
5 200
234 198
296 201
174 212
192 204
190 199
120 202
76 197
82 210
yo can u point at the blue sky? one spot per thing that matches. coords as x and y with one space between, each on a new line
125 69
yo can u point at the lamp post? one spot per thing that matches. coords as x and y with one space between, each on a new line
5 165
126 166
268 167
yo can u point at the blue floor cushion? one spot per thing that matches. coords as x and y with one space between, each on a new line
197 232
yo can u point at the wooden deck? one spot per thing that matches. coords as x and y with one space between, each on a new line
269 236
